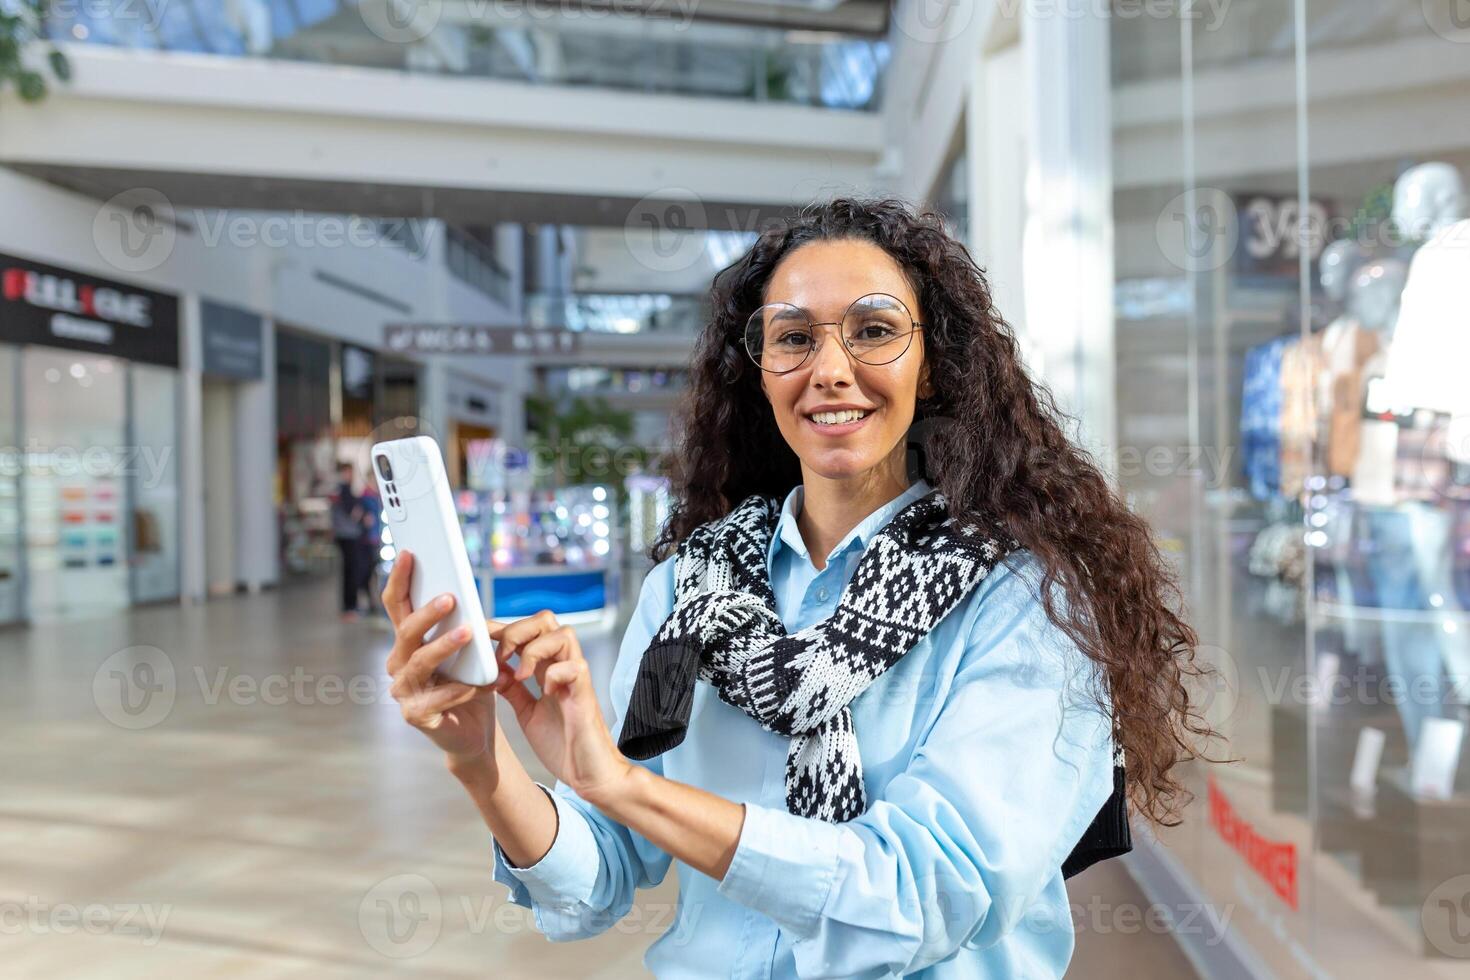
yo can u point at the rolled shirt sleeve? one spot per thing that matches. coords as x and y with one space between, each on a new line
589 877
960 845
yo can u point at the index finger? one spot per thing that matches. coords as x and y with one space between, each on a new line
511 637
395 591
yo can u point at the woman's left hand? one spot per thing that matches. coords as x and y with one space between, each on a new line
564 725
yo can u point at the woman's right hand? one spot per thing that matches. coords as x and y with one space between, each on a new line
458 718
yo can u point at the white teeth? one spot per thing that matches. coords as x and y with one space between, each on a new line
837 418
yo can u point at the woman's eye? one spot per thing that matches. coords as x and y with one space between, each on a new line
875 331
795 338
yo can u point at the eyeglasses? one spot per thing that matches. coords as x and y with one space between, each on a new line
876 329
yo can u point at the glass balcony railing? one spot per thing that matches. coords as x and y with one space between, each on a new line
1237 32
518 41
618 312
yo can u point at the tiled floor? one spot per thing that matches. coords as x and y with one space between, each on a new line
228 791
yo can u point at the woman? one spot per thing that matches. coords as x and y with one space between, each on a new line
917 665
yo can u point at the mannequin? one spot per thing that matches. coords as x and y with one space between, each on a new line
1431 346
1337 264
1364 450
1424 368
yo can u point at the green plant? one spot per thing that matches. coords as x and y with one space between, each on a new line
23 23
580 437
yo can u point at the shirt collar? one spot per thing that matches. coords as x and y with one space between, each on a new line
789 534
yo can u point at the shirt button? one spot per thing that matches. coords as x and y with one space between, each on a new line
822 594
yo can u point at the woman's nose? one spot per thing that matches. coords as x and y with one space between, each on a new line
832 364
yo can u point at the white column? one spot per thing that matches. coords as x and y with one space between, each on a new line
257 554
1068 246
192 575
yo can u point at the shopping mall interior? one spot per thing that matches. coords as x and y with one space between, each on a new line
247 240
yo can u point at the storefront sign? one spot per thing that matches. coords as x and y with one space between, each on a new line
429 338
1273 861
1274 230
44 304
234 342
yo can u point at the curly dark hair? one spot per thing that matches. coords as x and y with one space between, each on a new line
992 441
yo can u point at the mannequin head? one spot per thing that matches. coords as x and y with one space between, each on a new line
1338 263
1373 294
1427 199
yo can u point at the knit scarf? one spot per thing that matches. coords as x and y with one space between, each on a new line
724 630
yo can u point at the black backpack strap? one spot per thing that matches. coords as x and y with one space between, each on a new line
1108 835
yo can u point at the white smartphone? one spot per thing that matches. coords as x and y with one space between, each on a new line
419 511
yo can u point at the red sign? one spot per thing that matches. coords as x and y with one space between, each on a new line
1275 862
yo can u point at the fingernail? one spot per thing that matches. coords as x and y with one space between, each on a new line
444 601
462 634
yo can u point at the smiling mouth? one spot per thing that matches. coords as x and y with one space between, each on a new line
843 417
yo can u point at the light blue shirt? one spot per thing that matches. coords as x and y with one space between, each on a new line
984 755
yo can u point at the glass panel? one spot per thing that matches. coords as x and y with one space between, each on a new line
504 41
12 461
74 494
153 397
1210 316
1387 528
1295 324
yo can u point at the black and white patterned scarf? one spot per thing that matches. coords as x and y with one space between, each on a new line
724 630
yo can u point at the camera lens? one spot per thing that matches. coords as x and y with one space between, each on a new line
384 467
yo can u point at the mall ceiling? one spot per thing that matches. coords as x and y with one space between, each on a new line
469 206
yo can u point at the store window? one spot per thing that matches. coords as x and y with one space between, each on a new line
153 482
305 452
74 496
1290 238
12 464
